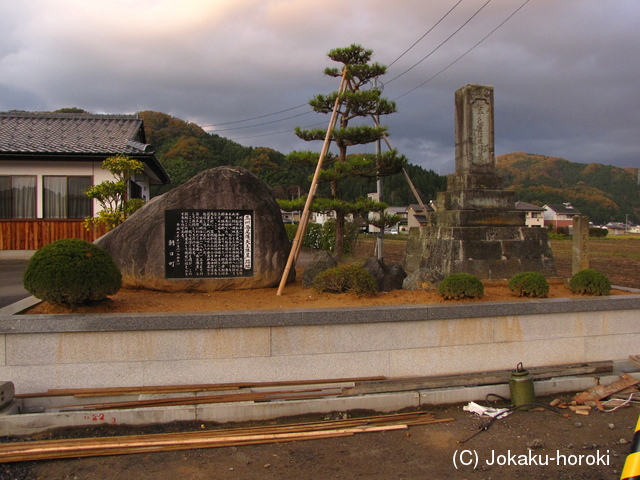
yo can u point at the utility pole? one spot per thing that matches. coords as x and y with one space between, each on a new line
380 239
626 223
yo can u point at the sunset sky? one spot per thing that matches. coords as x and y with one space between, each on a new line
566 73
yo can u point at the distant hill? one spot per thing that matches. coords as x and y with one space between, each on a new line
186 149
603 192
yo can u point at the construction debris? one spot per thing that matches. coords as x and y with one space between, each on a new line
121 445
599 392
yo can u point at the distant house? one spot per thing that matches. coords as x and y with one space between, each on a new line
48 161
560 215
400 227
291 217
616 228
416 217
534 214
403 225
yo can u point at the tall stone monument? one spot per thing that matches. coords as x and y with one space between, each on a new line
475 228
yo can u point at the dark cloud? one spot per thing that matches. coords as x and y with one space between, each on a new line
565 73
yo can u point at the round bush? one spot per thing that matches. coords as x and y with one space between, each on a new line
346 279
590 282
529 284
71 272
461 285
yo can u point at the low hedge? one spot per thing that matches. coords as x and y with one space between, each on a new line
590 282
461 285
529 284
346 279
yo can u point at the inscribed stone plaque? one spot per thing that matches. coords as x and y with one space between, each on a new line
208 243
474 129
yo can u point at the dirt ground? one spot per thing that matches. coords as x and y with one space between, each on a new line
618 259
526 445
293 296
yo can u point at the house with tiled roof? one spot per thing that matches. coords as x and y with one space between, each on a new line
559 215
534 215
47 162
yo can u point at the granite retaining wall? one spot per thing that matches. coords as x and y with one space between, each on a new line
42 352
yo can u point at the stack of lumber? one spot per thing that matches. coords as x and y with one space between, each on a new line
86 447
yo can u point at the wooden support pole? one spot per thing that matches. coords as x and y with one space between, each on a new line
302 226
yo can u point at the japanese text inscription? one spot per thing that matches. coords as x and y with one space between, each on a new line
208 243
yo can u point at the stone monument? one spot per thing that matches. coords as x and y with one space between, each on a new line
220 230
475 228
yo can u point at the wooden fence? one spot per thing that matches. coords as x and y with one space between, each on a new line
35 234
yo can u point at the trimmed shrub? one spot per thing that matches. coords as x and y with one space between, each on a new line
71 272
346 279
590 282
461 285
529 284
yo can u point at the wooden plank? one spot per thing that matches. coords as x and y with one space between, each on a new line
488 378
50 449
109 391
635 359
602 391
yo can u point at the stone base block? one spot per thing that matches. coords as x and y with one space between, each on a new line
477 218
487 252
477 200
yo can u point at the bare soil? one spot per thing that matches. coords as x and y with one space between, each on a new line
619 259
294 295
568 443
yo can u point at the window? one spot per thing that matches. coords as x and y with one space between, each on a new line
64 197
18 196
135 190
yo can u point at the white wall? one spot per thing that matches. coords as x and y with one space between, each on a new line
66 168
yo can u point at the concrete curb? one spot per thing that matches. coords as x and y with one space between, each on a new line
13 423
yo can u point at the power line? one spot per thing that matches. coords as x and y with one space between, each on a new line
306 104
465 53
278 133
395 78
438 47
263 123
257 118
428 31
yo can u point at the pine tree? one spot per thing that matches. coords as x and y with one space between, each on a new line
356 102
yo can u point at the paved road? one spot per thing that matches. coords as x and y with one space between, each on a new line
11 289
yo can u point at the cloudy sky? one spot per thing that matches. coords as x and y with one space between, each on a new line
566 73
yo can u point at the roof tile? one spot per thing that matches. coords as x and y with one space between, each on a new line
44 132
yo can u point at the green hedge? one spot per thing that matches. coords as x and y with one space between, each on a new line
529 284
461 285
590 282
346 279
71 272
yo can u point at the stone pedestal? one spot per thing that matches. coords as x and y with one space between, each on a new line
475 228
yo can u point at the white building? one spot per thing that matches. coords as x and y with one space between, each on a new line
48 161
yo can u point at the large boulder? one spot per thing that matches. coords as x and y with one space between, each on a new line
423 279
388 275
321 262
138 245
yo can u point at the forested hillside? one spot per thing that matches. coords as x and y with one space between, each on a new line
603 192
186 149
